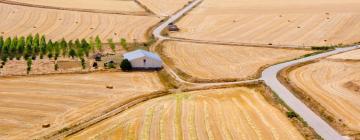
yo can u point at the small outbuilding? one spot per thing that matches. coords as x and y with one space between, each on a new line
141 59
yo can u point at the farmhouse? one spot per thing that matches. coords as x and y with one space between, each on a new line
141 59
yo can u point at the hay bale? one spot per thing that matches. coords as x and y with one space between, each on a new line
46 125
110 87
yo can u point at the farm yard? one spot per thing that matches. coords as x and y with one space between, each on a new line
126 6
281 23
334 83
71 25
233 113
208 61
26 103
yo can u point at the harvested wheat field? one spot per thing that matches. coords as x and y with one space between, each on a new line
335 85
351 55
280 23
164 7
91 5
57 24
234 113
207 61
27 103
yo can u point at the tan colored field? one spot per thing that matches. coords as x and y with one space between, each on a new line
108 5
351 55
335 85
280 22
206 61
235 113
164 7
57 24
26 103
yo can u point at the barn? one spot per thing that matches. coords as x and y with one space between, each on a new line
141 59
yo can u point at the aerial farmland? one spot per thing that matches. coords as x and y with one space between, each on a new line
179 69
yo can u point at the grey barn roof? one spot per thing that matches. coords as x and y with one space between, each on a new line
141 53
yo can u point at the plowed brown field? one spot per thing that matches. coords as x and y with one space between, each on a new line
335 85
207 61
236 113
280 22
57 24
352 55
26 103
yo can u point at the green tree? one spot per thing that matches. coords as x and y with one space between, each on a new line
50 49
6 47
13 50
123 43
86 47
57 50
111 44
64 47
92 44
29 63
36 39
126 65
20 47
72 53
29 40
98 43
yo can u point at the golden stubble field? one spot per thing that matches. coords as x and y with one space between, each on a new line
105 5
164 7
234 113
208 61
26 103
280 22
57 24
333 82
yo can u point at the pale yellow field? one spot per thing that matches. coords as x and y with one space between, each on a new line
164 7
207 61
280 22
108 5
236 113
26 103
335 85
351 55
57 24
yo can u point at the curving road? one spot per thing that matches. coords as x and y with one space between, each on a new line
269 76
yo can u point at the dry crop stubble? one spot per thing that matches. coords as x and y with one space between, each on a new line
207 114
61 100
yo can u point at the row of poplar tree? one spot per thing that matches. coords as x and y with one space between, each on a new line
36 46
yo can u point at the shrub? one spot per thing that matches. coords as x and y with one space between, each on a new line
291 114
29 63
125 65
56 67
83 65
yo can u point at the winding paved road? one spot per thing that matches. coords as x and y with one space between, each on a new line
269 76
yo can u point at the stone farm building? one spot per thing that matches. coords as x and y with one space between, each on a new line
141 59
